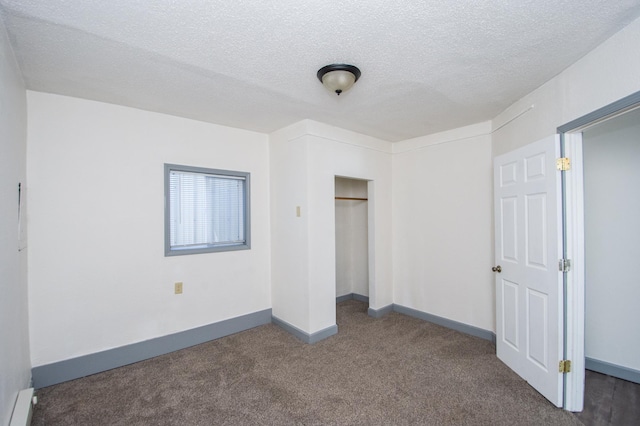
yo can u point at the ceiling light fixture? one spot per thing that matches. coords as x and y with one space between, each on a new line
338 77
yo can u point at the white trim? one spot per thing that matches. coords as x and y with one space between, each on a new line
574 224
575 310
455 135
23 410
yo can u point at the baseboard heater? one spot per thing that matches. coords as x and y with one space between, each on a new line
23 410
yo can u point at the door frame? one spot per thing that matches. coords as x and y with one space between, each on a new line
573 243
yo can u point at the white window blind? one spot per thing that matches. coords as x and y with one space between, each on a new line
206 210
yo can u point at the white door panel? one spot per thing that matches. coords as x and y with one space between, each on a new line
527 201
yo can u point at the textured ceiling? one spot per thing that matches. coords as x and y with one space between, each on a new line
427 66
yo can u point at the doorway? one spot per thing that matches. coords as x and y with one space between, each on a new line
611 154
352 239
582 242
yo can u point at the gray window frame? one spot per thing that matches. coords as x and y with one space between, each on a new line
168 250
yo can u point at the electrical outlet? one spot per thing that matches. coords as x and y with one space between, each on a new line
178 288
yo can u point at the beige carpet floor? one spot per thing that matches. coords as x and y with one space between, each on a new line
395 370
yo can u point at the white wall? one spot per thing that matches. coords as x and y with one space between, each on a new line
612 227
304 264
289 234
606 74
98 277
15 367
352 247
442 222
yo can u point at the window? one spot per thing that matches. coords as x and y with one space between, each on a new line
206 210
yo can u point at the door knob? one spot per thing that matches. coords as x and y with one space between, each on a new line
497 269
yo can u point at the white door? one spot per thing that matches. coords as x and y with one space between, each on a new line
529 295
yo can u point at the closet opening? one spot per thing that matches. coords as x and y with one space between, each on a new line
352 239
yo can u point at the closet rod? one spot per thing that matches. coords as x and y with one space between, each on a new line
352 198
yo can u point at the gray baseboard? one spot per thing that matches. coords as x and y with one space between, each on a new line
445 322
378 313
344 298
303 335
454 325
360 297
352 296
614 370
62 371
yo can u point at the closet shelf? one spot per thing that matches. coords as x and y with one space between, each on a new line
352 198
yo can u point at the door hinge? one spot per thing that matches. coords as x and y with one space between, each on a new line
564 366
563 164
564 265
